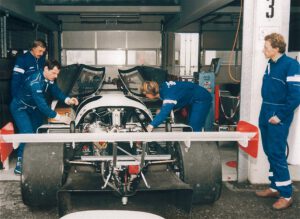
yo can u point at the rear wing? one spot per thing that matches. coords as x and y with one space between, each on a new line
246 135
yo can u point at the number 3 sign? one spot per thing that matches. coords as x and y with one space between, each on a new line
270 13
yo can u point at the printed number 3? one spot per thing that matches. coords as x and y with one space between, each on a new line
270 13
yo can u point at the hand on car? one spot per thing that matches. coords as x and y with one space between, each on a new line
62 119
72 101
149 128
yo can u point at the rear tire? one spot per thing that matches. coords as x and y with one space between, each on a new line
42 173
200 167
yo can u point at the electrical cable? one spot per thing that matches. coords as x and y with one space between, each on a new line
233 46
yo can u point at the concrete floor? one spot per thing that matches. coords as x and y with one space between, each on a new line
237 201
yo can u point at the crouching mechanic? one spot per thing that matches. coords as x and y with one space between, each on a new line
29 106
176 95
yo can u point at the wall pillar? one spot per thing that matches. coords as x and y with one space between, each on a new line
260 18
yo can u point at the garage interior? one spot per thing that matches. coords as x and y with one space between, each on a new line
201 41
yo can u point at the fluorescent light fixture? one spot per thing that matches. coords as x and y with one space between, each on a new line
95 15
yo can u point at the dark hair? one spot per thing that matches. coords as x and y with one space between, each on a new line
52 63
277 41
39 42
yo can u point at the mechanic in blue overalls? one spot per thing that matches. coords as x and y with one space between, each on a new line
176 95
29 106
27 64
281 96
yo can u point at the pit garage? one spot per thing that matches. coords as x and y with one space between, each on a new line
105 160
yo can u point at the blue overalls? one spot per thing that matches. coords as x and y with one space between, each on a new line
281 96
25 65
29 107
176 95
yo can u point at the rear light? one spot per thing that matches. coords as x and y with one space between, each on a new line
86 150
133 169
101 144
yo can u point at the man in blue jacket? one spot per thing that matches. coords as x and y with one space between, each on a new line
27 64
176 95
281 96
29 106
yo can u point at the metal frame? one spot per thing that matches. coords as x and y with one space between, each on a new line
106 9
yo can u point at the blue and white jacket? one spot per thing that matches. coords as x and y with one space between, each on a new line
25 65
178 94
281 85
32 93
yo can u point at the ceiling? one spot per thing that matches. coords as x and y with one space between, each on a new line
168 15
173 15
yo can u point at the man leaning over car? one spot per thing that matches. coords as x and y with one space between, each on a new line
29 106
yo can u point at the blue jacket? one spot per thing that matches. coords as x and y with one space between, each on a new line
25 65
33 90
178 94
281 85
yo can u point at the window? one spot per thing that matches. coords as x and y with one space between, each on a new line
141 57
224 55
80 56
186 53
111 57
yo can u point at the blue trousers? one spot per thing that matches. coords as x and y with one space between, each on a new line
274 140
27 120
198 112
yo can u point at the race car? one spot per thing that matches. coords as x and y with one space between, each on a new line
106 150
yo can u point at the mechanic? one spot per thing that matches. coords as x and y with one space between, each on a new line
27 64
29 106
281 96
176 95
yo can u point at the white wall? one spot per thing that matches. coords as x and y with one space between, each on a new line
256 26
186 47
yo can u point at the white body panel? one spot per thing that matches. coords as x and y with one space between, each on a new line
115 99
93 214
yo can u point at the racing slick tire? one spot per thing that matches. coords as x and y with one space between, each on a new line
42 173
200 166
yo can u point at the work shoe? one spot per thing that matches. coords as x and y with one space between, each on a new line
267 193
18 169
282 203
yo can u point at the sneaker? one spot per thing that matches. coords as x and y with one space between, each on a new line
282 203
18 169
267 193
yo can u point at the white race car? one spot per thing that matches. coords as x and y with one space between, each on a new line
109 165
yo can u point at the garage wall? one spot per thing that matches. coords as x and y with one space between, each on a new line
294 28
111 39
78 40
294 42
219 40
218 44
22 40
112 49
19 36
6 66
